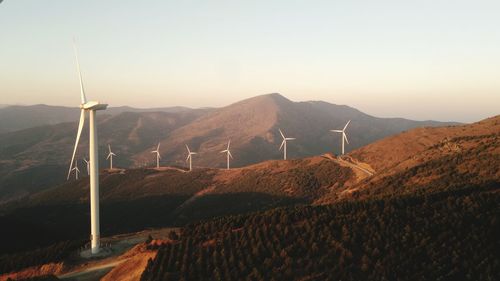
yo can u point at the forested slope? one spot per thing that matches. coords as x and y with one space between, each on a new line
441 236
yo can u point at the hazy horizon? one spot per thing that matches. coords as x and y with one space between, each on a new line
429 60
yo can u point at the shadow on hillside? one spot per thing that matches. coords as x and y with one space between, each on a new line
38 226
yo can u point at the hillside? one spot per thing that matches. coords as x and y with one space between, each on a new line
406 238
449 178
252 125
135 199
36 158
430 159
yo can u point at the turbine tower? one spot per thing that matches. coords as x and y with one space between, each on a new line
87 162
75 168
91 107
110 157
158 157
228 153
283 144
344 136
190 158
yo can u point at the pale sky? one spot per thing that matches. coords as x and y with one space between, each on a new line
422 59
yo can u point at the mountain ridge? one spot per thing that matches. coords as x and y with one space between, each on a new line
35 158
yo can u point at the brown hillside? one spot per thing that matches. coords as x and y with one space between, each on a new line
34 159
429 160
390 151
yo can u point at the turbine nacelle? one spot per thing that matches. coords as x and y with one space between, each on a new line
93 105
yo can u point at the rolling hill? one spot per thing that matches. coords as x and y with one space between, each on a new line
429 159
36 158
135 199
450 176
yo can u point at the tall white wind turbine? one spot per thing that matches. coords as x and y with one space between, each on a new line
110 157
344 136
190 158
91 107
283 144
87 162
158 157
228 153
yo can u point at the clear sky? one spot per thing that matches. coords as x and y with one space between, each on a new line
421 59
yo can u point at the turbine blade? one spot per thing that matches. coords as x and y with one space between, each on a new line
230 155
109 147
159 156
346 125
109 155
80 127
189 156
82 91
282 135
282 143
189 151
290 138
228 143
337 131
345 137
158 148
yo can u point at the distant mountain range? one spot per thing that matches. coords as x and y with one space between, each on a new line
19 117
33 159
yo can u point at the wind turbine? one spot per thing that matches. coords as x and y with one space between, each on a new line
158 157
75 168
190 158
228 153
110 157
91 107
283 144
87 162
344 136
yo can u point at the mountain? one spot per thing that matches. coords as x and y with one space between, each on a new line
133 198
252 125
387 209
36 158
17 117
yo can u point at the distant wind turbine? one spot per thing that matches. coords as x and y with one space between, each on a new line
158 157
190 158
110 157
283 144
87 162
228 153
344 136
75 168
91 107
